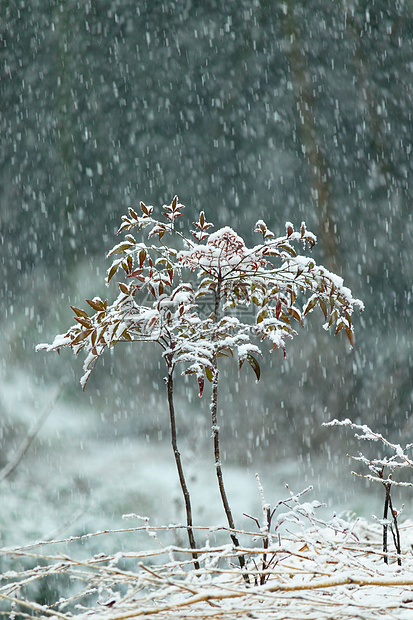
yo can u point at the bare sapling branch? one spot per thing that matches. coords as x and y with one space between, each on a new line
297 515
177 455
215 428
382 471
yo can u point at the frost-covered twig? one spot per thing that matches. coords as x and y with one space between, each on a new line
307 574
369 435
382 471
298 514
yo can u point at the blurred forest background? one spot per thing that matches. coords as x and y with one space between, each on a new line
248 109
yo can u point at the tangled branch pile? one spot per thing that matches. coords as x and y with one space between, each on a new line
314 573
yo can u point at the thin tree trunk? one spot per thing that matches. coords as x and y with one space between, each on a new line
385 526
217 459
308 133
179 467
395 530
215 435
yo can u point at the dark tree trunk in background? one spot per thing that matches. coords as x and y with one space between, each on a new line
309 138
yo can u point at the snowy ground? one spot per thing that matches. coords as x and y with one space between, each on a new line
319 572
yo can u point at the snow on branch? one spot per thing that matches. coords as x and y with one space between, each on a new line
162 299
399 459
382 470
315 573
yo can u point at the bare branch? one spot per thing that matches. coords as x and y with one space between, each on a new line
25 445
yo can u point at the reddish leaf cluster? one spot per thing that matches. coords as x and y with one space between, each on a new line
271 278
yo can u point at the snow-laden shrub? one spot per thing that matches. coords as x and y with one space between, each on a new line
184 292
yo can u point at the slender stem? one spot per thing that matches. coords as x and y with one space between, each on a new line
217 458
266 543
395 532
215 435
385 513
179 467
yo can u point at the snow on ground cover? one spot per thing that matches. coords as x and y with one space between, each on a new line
315 573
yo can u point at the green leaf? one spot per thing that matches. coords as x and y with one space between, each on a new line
96 304
323 308
125 226
225 352
310 305
79 312
295 314
333 318
121 248
209 374
112 271
287 247
284 317
349 333
101 333
262 315
124 289
254 365
84 322
129 262
142 256
81 336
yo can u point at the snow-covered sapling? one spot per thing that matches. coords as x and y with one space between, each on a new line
149 268
268 513
271 278
297 515
382 471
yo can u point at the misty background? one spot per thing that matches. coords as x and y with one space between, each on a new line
258 109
